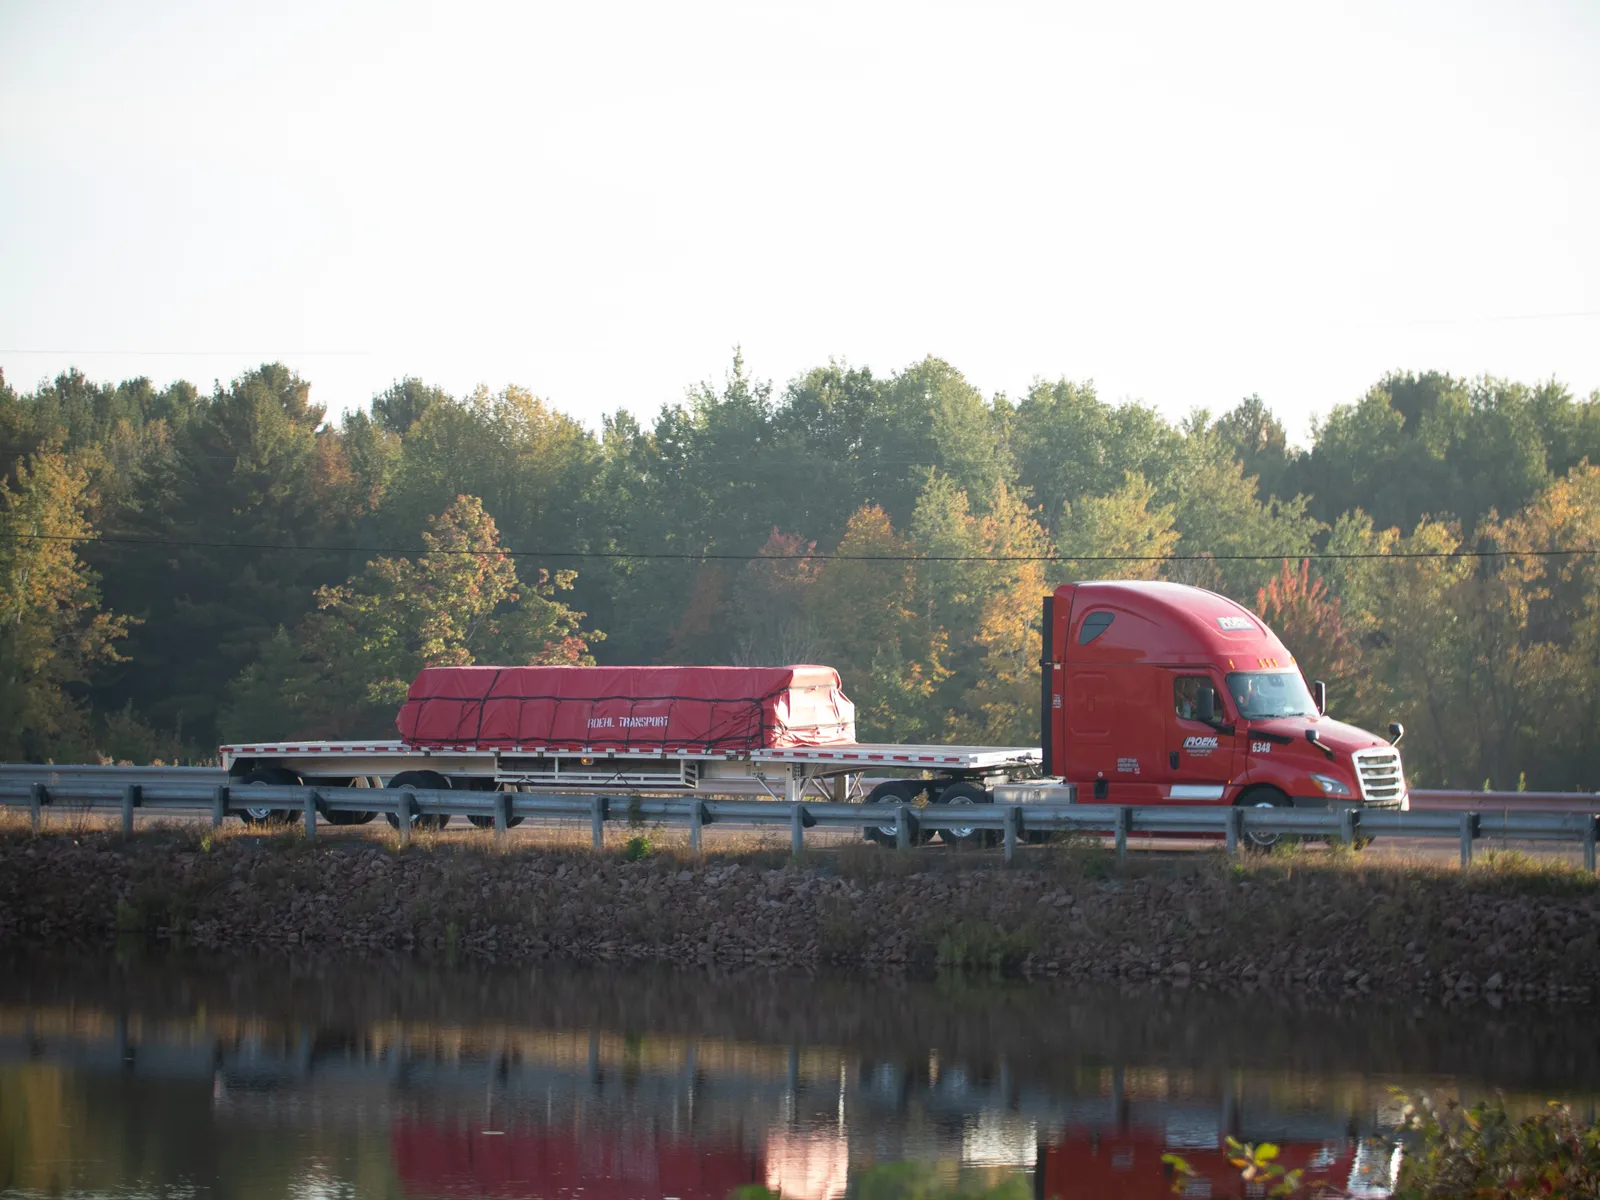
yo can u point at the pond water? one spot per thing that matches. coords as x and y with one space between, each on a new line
387 1078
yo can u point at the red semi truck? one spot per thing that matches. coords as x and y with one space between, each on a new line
1154 693
1151 693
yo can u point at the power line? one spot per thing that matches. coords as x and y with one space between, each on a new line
232 353
680 556
245 352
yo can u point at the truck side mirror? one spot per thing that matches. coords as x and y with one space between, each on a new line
1396 732
1319 693
1205 704
1316 740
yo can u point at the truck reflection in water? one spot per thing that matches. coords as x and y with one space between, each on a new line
420 1110
508 1112
1129 1163
433 1160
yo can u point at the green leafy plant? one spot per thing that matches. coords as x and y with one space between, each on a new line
129 918
980 946
1256 1167
639 846
1482 1151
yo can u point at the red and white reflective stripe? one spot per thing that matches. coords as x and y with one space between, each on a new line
389 748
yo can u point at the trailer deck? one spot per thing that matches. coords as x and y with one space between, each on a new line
859 756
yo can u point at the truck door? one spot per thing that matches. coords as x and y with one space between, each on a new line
1199 760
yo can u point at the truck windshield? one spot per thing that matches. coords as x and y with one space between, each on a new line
1261 694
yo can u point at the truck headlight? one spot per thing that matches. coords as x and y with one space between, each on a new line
1330 785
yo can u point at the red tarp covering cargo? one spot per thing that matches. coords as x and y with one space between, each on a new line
628 708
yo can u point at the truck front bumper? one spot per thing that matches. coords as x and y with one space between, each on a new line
1399 804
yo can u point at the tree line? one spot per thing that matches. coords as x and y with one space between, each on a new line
180 567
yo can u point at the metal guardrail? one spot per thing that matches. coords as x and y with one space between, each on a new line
112 778
202 790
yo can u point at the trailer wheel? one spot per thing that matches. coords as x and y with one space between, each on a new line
1264 797
342 816
966 793
256 814
483 822
894 792
427 780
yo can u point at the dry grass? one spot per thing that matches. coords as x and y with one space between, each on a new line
1070 859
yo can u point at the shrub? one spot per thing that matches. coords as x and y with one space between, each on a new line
980 946
1481 1151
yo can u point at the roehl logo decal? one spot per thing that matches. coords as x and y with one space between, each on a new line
1200 743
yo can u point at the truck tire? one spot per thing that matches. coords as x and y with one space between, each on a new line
341 816
893 792
966 793
483 822
268 777
428 781
1263 797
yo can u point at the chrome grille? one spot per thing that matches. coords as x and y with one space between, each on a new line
1382 781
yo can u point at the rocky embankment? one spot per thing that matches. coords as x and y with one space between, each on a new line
1310 925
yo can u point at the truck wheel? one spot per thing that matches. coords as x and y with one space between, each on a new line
428 781
340 816
965 793
1263 843
255 814
483 822
894 792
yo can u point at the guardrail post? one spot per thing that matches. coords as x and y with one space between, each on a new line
797 829
311 812
902 827
697 820
502 813
1347 826
1235 827
1469 830
1013 819
597 821
219 804
37 799
1124 824
405 812
1588 844
130 801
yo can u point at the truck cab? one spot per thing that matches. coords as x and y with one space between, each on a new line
1160 693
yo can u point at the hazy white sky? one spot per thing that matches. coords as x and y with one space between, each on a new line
1184 202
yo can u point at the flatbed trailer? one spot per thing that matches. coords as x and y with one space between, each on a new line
838 772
